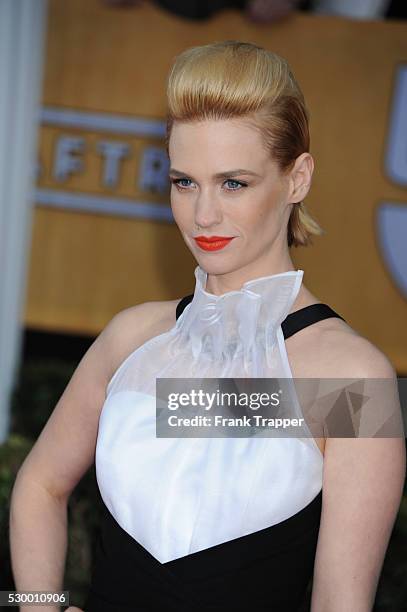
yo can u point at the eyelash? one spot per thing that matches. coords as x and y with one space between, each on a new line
176 182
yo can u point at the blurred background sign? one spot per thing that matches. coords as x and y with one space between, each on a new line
101 162
103 234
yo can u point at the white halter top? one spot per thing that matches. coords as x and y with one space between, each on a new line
180 495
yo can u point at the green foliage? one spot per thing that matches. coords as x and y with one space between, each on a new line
41 384
12 454
39 388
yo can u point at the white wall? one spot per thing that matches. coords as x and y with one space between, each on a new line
22 34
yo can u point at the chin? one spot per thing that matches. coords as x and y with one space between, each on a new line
218 265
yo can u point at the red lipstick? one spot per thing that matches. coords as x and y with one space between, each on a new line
212 243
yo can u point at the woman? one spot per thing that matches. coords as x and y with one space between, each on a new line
214 523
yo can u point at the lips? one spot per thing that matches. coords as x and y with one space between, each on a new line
212 243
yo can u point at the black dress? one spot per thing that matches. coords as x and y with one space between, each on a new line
267 570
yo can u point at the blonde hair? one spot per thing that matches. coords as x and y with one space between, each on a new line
230 79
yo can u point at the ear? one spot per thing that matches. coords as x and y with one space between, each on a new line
300 178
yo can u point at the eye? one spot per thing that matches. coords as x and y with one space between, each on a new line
236 183
178 181
181 187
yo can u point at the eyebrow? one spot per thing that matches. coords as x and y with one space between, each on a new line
225 174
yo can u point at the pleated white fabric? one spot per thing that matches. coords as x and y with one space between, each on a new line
177 496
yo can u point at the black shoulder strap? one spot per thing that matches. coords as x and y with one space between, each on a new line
182 303
294 322
308 315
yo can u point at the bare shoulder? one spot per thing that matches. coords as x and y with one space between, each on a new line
135 325
335 350
348 354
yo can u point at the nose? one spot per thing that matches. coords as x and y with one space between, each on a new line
208 211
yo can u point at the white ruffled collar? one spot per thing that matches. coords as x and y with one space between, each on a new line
241 321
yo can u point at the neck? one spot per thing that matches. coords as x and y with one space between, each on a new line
220 283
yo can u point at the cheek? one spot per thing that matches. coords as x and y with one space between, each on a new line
182 213
257 213
269 207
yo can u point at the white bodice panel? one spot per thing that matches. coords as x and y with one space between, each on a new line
177 496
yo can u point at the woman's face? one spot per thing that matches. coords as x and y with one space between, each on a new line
223 179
